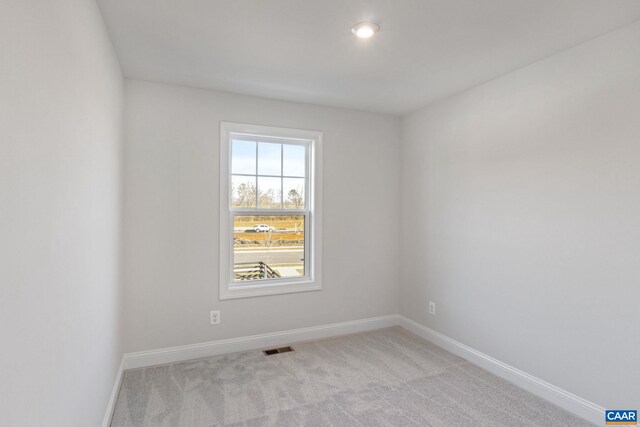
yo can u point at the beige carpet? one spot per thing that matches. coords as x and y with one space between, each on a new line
388 377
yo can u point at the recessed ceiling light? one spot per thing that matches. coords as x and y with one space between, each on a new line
364 30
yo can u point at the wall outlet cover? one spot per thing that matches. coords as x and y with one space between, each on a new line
214 317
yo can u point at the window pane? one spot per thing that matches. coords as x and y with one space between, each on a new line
269 157
294 160
267 247
243 157
269 193
293 193
243 192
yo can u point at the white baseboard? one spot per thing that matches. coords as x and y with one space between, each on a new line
254 342
106 422
562 398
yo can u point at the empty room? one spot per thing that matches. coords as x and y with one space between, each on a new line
319 213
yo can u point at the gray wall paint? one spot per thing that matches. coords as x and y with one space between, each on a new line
60 147
172 213
521 218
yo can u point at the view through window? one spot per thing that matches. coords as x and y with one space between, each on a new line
269 183
268 246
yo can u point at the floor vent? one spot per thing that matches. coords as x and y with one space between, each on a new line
277 350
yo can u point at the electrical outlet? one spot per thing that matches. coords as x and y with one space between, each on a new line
214 317
432 308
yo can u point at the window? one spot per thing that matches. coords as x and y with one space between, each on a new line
270 210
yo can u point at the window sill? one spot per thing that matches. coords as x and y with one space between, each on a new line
229 291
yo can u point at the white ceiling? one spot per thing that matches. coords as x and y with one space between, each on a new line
303 50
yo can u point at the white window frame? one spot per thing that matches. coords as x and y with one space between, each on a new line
228 289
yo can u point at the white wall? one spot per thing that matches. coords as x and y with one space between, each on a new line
60 146
171 216
521 218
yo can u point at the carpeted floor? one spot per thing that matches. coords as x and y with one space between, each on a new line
388 377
